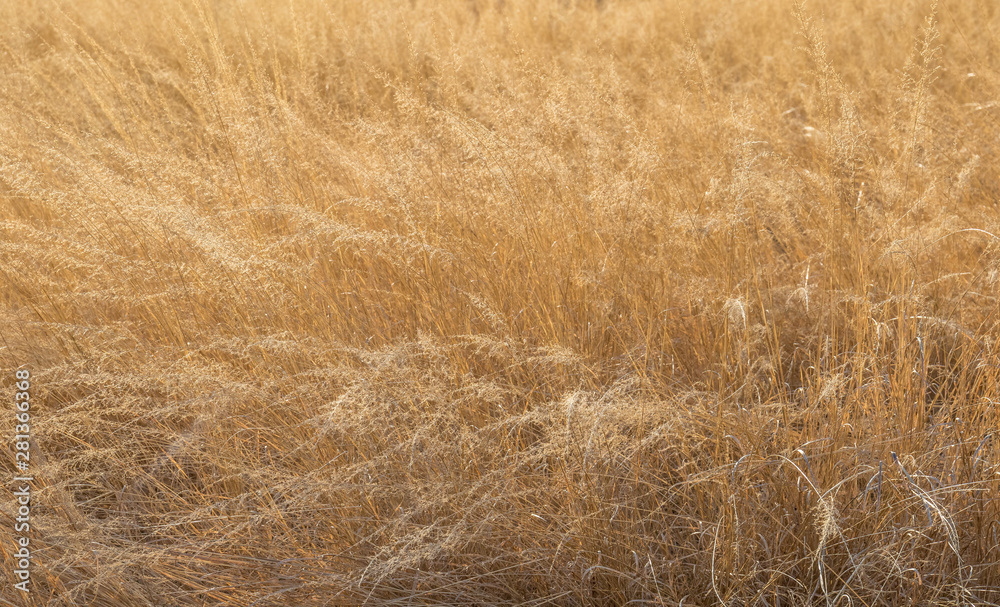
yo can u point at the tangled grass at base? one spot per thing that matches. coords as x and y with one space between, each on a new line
495 302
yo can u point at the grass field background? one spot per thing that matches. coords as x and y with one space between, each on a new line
504 303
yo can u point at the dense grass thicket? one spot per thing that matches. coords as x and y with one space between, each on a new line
496 302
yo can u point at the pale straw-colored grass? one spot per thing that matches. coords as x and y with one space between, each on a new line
490 302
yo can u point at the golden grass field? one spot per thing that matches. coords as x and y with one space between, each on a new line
496 302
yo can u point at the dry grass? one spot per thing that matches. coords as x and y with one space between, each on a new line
490 302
